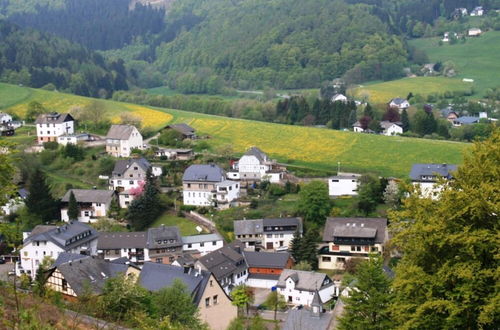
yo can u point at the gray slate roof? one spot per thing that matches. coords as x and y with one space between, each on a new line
254 151
204 173
53 118
398 100
386 124
303 319
90 196
122 240
283 222
419 170
60 235
226 260
266 259
467 120
357 228
304 280
183 128
168 235
248 227
120 132
123 164
89 271
155 276
201 238
447 111
64 257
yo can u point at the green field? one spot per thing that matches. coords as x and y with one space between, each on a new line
314 148
186 227
383 92
478 58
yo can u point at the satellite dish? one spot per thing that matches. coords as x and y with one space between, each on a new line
199 229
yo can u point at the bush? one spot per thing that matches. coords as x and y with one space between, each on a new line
52 145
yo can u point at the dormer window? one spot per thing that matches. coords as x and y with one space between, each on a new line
158 241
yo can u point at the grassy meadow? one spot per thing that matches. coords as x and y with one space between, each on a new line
309 147
478 58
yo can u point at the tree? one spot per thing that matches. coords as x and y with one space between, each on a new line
448 275
368 193
368 112
7 170
309 248
392 195
40 277
147 207
242 296
314 203
368 303
114 209
375 126
35 108
392 114
72 207
40 201
303 265
175 302
275 301
405 120
365 121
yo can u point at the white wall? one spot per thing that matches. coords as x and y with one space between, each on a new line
305 297
277 238
5 118
343 187
197 197
393 130
358 129
97 210
261 283
204 247
251 165
54 130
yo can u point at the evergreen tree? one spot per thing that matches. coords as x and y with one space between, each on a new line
309 248
114 209
72 207
40 201
367 306
368 112
405 120
369 193
296 247
146 208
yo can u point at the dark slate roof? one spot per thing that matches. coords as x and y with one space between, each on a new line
266 259
53 118
64 257
123 164
354 232
447 111
283 222
303 319
155 276
467 120
122 240
248 227
254 151
120 132
398 100
304 280
419 170
90 196
90 272
201 238
168 235
386 124
226 260
204 173
63 234
182 128
333 225
23 193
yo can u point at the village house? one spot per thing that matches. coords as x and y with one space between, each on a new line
298 287
227 264
50 126
174 154
339 98
75 138
15 202
474 32
390 129
128 178
206 185
399 103
122 139
50 241
268 234
313 318
214 306
478 11
202 243
131 245
357 128
465 120
5 118
92 204
347 238
449 114
75 275
426 175
265 268
254 165
164 244
343 184
187 131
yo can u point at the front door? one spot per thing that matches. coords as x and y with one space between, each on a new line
290 299
269 246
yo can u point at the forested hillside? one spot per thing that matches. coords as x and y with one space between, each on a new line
35 59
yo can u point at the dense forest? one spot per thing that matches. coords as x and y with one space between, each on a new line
35 59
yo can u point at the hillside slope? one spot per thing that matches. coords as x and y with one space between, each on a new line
305 146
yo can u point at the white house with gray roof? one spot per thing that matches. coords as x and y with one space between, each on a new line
131 245
50 241
399 103
298 287
426 175
202 243
121 139
207 185
343 184
92 204
347 238
52 125
254 165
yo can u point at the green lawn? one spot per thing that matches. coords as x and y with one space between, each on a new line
186 226
478 58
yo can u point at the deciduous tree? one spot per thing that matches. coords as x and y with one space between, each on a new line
314 203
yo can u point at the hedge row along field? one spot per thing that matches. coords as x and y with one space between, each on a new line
314 148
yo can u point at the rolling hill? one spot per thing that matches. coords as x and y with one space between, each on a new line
314 148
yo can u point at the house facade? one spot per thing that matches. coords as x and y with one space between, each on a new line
343 185
339 98
50 241
52 125
187 131
254 165
426 175
390 129
206 185
74 138
265 268
474 32
298 287
267 234
130 245
174 154
5 118
347 238
399 103
92 204
202 243
164 244
122 139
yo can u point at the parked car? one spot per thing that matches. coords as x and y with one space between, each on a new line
2 261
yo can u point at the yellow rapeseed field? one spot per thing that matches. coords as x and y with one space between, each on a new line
150 118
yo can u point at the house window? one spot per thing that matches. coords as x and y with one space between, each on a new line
215 300
119 181
86 213
214 243
326 259
159 260
374 249
211 283
64 285
98 204
131 182
202 244
190 246
189 185
207 302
